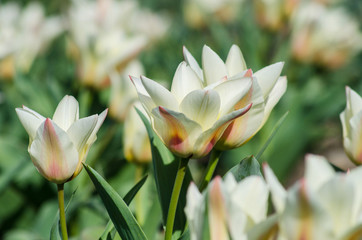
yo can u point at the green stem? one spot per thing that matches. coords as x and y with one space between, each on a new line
139 205
174 197
63 224
211 166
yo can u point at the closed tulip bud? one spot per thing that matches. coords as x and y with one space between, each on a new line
60 145
351 119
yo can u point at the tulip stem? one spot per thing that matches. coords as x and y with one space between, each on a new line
138 197
211 166
63 224
175 196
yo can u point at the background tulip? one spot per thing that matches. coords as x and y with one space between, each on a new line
351 119
226 209
59 146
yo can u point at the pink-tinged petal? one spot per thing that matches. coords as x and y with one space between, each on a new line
190 60
268 76
274 96
81 130
176 131
30 120
214 68
202 106
217 211
235 62
242 129
159 94
304 217
67 112
278 193
143 96
184 82
53 153
231 92
317 172
208 138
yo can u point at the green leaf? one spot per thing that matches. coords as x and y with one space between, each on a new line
275 130
121 216
108 231
247 167
8 175
165 167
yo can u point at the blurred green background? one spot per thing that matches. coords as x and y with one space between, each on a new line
315 97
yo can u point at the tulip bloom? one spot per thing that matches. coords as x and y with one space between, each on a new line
58 146
323 205
351 119
267 88
227 209
191 117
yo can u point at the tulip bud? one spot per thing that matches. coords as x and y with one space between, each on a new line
59 146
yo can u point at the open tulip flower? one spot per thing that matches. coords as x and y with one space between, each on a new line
226 209
351 119
322 205
267 88
58 146
191 117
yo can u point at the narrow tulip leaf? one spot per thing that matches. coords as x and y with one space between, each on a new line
185 235
165 166
270 138
54 232
118 211
109 230
247 167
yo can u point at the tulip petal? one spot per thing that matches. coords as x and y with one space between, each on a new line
202 106
184 82
176 131
30 120
352 144
278 193
208 139
251 195
339 206
67 112
101 118
304 217
274 96
231 92
217 211
53 153
354 102
160 95
242 129
143 96
81 130
268 76
214 68
190 60
317 171
195 211
235 62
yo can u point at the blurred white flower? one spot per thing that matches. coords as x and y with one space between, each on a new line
24 33
327 36
226 209
106 35
322 205
199 13
351 119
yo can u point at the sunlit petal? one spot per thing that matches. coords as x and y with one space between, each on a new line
214 68
67 112
235 62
